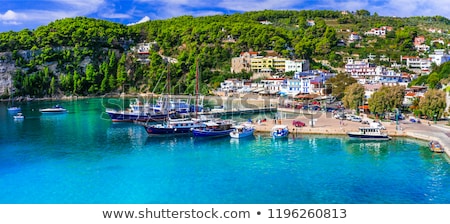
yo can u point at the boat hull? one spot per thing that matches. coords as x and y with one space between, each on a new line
117 116
357 136
243 134
14 109
280 136
279 131
160 131
19 117
52 111
211 133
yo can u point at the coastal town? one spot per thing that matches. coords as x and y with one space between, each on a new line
298 86
254 107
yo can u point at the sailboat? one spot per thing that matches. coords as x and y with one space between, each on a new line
198 107
13 109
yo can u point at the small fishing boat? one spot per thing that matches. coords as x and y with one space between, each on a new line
19 116
242 131
218 128
14 109
369 133
11 108
53 110
279 131
435 147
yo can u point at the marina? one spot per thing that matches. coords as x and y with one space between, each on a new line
83 157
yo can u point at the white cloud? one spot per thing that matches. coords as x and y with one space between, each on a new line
12 18
56 9
9 15
143 20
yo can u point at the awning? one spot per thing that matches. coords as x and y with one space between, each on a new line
305 96
364 107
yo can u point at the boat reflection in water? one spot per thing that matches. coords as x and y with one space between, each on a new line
362 147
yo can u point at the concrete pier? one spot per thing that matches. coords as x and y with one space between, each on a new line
325 123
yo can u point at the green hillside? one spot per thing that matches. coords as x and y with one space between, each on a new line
88 56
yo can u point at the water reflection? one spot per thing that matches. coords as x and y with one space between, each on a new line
357 147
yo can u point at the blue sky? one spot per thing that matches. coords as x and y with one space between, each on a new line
20 14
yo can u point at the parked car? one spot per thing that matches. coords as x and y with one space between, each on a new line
414 120
356 119
349 117
298 123
339 116
377 125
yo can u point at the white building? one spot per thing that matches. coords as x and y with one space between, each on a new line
354 37
144 48
273 85
231 85
296 65
416 62
422 48
360 68
303 85
439 57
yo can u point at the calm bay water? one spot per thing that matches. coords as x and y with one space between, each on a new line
81 157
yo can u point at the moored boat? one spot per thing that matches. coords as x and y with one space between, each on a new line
19 116
137 111
53 110
279 131
242 131
174 127
369 133
435 147
218 128
14 109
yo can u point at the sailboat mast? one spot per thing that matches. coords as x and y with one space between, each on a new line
168 78
196 88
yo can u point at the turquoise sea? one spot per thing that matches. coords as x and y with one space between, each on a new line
81 157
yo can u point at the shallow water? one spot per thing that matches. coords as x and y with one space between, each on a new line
81 157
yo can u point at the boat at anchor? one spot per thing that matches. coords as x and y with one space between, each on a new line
53 110
369 133
242 131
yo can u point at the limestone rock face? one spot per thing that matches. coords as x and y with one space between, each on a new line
7 69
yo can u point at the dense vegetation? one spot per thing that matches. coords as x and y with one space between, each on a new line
88 56
435 80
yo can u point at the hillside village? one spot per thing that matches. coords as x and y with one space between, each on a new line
311 84
276 68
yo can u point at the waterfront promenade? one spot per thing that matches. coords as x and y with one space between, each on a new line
325 123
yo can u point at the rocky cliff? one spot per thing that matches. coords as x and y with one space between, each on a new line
7 69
